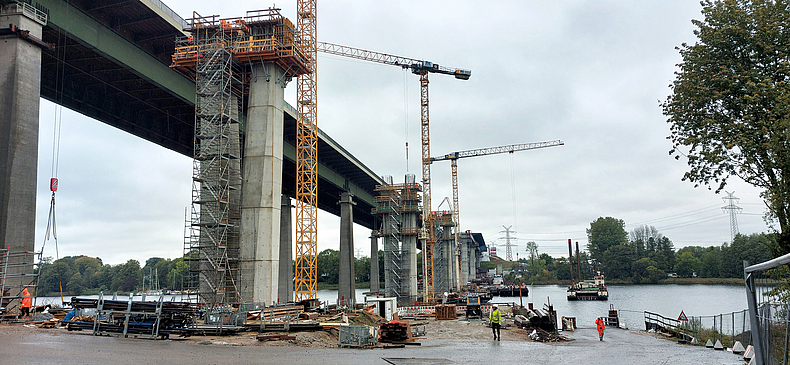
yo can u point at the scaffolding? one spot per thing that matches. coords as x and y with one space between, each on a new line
219 55
18 270
398 204
443 250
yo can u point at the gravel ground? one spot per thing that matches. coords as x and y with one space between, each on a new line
447 342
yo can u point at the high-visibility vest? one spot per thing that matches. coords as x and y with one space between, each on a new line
495 317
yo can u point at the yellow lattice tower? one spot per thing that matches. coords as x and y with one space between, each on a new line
306 157
430 239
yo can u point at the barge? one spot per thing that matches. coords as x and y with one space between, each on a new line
589 289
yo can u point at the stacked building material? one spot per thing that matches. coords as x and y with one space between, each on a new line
446 311
394 331
154 319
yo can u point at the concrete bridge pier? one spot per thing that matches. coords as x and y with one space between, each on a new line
262 187
374 262
286 277
20 80
464 263
347 279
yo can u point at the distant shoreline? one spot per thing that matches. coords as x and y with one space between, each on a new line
667 281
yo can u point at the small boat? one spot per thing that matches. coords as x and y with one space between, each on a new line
589 289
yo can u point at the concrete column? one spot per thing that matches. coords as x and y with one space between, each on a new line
374 262
449 258
464 263
347 279
457 281
286 278
262 186
20 80
411 243
473 262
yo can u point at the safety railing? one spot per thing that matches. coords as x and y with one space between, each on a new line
768 293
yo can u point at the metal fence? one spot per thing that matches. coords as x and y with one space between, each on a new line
769 315
727 328
357 336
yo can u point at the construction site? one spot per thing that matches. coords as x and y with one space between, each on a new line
212 89
252 154
238 241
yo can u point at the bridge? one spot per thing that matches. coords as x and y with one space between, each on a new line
110 61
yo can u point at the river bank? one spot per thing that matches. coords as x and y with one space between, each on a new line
667 281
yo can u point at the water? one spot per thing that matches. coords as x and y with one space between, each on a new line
633 300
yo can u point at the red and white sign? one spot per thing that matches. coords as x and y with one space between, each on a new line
53 184
682 317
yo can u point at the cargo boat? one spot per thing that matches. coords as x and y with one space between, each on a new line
589 289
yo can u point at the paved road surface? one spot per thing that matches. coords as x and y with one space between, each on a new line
619 347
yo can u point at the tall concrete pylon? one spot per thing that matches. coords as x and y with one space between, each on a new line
347 278
286 278
20 86
374 262
262 185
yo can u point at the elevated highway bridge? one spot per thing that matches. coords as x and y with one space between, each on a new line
111 60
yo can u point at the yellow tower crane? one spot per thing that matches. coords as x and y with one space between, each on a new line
453 157
422 68
306 265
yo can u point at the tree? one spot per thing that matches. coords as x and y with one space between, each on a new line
643 239
604 233
534 258
711 261
616 261
362 269
664 254
729 106
752 248
327 265
641 273
127 277
687 265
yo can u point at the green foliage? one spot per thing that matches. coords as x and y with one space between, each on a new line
648 255
362 269
603 234
617 261
687 265
729 111
327 265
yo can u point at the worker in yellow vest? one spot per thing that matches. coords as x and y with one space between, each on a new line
495 318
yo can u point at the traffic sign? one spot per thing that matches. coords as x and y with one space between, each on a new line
682 317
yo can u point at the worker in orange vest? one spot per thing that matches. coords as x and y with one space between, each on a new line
27 303
601 327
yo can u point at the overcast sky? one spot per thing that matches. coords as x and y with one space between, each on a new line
589 73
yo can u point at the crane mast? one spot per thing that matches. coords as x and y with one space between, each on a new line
422 68
453 157
305 274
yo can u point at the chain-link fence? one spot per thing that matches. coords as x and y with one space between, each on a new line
768 292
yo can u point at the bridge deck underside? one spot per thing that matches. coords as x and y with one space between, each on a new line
83 78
